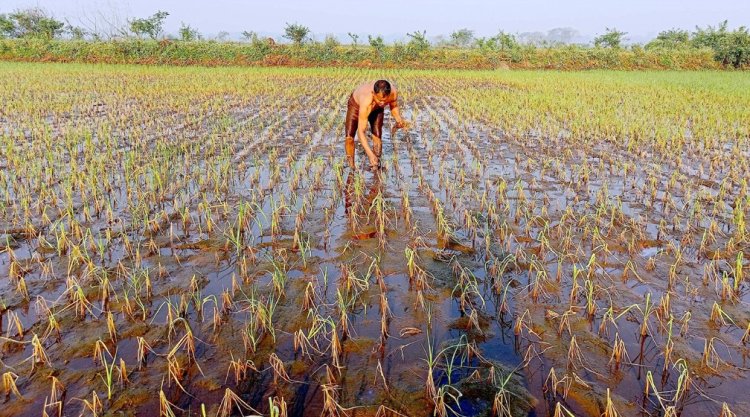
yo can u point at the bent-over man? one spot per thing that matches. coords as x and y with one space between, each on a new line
367 104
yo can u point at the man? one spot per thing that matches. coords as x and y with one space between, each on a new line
367 104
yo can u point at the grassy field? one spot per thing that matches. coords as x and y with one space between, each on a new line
189 241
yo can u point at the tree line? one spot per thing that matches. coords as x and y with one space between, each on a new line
730 47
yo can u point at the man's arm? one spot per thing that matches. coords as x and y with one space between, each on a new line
393 105
364 107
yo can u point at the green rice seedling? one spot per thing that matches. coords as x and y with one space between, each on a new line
252 334
79 302
719 317
739 220
575 288
738 276
590 300
650 388
109 368
503 306
684 382
343 305
378 203
501 402
607 318
350 281
279 278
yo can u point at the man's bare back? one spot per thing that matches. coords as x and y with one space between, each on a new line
366 99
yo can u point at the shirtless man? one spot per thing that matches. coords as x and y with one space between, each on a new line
367 104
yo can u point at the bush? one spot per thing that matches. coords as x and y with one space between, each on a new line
326 53
730 47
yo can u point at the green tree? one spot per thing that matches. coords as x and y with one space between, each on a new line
188 33
418 42
151 26
296 33
672 38
500 42
730 47
378 44
612 38
462 38
7 27
30 23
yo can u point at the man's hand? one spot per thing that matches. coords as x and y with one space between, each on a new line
403 124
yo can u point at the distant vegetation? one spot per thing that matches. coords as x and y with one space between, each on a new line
33 34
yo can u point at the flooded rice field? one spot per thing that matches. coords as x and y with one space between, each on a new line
190 242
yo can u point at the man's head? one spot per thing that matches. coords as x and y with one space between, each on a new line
382 90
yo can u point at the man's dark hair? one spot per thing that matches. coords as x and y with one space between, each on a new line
382 86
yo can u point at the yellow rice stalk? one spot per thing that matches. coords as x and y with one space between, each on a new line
231 402
9 385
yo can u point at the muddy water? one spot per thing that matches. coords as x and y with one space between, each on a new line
234 222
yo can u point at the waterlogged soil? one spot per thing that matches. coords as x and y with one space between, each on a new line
192 241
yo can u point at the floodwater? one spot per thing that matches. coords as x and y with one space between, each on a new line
477 273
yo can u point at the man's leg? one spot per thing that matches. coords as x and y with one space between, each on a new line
350 151
350 129
376 126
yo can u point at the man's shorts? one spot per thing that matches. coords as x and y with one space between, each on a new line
352 119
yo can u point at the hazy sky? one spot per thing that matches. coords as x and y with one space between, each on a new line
641 18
